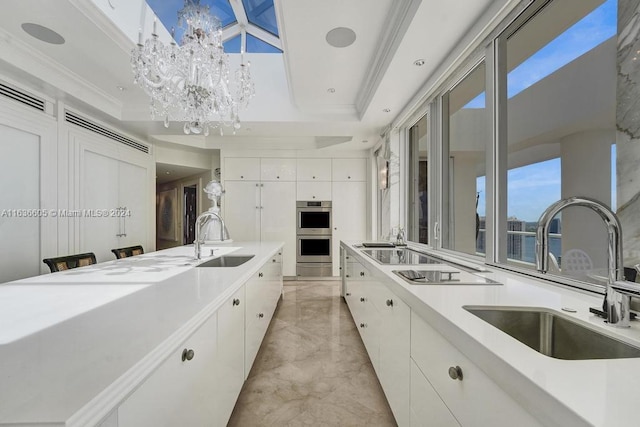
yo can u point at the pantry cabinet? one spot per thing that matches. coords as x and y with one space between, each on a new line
349 170
263 211
313 169
112 190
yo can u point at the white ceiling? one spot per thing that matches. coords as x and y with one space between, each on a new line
292 107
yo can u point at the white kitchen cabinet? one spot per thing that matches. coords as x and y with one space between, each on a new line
181 390
309 191
474 400
349 170
263 211
113 202
277 169
263 291
241 169
349 213
241 204
363 289
313 169
229 366
427 409
394 351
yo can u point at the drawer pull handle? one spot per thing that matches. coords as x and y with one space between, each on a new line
455 372
260 275
362 274
389 303
348 294
187 354
236 301
362 299
363 325
260 315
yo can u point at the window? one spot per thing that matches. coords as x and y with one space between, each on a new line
465 139
559 131
418 225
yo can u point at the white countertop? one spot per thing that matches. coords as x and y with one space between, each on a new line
66 336
559 392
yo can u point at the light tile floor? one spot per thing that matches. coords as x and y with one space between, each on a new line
312 368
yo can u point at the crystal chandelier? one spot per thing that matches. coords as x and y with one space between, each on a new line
191 83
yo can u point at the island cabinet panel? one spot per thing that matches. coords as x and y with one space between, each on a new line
179 392
427 409
263 291
313 169
395 344
474 400
230 363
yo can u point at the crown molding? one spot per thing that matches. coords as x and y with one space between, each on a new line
402 14
35 63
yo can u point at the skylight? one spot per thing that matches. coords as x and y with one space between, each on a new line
258 17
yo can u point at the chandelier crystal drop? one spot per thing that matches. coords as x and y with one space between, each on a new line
191 83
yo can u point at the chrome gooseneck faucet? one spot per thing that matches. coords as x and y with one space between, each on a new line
617 301
201 221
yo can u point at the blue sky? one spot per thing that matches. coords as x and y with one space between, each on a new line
534 187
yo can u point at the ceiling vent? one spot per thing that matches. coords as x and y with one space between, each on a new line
86 124
22 97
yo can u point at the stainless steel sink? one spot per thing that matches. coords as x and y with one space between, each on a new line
226 261
554 334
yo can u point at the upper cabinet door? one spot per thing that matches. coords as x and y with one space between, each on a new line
241 169
277 169
314 169
349 170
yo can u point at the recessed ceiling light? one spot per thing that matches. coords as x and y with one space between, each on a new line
121 88
341 37
418 62
331 90
42 33
387 110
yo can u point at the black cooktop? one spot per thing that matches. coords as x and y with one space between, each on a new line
400 256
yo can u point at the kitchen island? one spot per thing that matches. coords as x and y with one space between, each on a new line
438 361
79 347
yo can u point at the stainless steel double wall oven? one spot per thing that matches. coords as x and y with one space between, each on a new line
314 239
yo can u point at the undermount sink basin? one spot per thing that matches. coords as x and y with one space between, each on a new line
554 334
226 261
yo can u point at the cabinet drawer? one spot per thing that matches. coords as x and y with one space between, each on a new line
313 191
475 400
427 409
